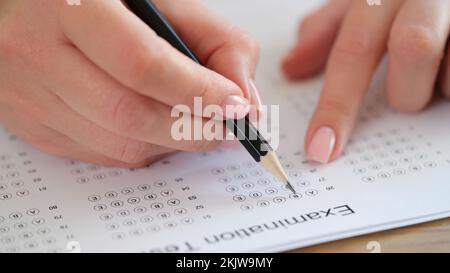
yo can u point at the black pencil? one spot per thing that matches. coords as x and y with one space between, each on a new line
243 129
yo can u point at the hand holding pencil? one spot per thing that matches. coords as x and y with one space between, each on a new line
95 83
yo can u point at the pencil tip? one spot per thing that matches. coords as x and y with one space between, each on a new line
291 188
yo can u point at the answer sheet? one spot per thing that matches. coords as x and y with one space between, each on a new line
395 172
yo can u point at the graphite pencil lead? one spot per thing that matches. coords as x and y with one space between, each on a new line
289 186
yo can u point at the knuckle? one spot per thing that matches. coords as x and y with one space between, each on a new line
140 68
414 45
249 43
243 39
130 151
127 115
353 45
336 108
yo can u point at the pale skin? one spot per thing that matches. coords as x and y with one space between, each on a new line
348 38
94 83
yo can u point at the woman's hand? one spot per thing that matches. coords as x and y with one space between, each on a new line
94 83
350 37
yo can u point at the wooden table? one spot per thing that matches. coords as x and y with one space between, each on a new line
428 237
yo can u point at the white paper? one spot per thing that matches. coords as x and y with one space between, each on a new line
395 172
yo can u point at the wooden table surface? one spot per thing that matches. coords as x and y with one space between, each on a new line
428 237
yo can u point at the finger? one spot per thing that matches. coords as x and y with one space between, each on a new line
123 46
45 108
444 81
318 32
52 142
416 49
354 58
98 98
221 46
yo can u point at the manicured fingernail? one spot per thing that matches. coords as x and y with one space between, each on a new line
235 107
322 145
256 111
255 94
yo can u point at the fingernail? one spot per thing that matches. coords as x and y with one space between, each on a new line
254 115
322 145
255 94
256 111
235 107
